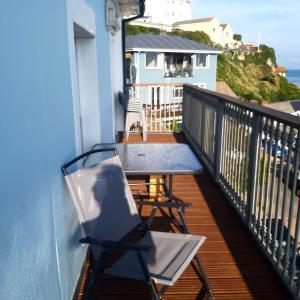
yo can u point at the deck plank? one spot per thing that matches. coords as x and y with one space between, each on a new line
235 268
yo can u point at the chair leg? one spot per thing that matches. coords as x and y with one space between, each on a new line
143 121
153 289
127 126
96 270
149 281
203 276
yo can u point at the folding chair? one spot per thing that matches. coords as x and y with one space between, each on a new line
108 214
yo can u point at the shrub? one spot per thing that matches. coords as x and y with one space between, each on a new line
136 29
198 36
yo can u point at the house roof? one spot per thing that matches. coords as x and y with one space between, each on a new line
281 69
166 43
203 20
248 46
224 25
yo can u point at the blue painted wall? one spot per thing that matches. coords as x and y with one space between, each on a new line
104 78
40 257
201 75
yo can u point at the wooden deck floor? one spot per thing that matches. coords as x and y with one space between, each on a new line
235 268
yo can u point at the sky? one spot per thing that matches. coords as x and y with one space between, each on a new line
278 22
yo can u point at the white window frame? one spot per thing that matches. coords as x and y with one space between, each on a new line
207 61
159 61
177 88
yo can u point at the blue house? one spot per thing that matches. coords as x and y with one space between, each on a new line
170 60
158 66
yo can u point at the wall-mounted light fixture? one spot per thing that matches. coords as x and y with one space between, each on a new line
112 16
117 9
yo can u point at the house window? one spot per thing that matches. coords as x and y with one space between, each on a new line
177 92
153 60
178 65
201 60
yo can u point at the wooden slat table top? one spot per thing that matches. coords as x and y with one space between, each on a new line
235 268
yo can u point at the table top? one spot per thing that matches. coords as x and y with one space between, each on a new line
157 159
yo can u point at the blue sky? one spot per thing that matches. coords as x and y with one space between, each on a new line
278 22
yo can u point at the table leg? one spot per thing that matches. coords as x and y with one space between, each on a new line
182 223
170 196
170 188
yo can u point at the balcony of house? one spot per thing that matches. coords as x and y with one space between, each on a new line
246 202
177 65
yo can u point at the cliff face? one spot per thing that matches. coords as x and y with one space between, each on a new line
252 76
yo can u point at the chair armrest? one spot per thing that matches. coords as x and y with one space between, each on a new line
164 204
86 154
113 244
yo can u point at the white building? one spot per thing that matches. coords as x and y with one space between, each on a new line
219 33
166 12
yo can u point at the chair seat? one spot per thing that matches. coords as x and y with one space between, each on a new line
168 257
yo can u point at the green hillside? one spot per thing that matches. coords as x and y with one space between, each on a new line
251 77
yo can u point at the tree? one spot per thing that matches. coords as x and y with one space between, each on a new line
237 37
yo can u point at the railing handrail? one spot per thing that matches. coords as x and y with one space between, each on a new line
268 112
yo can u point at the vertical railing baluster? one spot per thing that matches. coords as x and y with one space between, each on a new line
239 159
284 203
270 132
235 158
256 204
218 140
261 174
223 142
276 137
256 119
230 142
292 202
226 142
243 158
283 140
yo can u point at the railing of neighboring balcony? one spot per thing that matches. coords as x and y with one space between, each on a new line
162 103
253 153
179 71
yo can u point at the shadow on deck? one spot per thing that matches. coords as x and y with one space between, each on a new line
235 268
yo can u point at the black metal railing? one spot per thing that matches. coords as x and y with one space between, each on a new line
253 154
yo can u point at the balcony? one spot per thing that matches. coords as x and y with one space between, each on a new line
246 202
235 267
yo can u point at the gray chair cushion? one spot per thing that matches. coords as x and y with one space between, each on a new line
170 254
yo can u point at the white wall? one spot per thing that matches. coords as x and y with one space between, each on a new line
168 11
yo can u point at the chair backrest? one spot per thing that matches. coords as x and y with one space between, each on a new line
103 200
134 105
